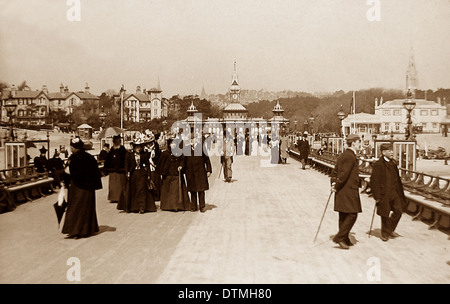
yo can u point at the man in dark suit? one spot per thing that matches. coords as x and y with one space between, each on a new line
345 184
387 190
198 169
303 148
41 162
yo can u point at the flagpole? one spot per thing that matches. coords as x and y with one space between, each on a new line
122 90
354 113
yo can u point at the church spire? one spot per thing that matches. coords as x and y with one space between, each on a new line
203 93
411 75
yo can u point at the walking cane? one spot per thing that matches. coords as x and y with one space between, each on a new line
373 215
221 166
326 206
180 189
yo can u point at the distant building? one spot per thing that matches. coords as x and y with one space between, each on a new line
68 101
235 111
143 105
32 106
391 117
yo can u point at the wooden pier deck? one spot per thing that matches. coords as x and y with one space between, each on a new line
257 229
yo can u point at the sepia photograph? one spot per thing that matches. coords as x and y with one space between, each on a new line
223 149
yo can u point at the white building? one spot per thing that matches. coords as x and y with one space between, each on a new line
391 117
143 105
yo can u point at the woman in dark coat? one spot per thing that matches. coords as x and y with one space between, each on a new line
115 166
137 196
174 196
198 169
82 180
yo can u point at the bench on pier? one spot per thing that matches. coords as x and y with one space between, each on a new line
422 208
22 184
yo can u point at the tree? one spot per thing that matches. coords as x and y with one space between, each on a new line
22 86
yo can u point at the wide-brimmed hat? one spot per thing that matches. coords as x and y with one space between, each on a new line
149 136
138 140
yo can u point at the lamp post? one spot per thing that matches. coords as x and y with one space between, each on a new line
10 107
409 104
102 116
341 116
295 125
122 92
305 124
71 125
311 123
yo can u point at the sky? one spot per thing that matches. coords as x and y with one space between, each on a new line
298 45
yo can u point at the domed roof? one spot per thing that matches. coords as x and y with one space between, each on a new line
235 107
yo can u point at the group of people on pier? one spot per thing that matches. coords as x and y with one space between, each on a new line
152 170
175 172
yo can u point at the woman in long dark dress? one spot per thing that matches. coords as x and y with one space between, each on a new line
137 196
115 166
174 196
152 147
82 180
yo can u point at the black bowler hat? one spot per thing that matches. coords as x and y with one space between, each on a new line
43 150
386 147
117 137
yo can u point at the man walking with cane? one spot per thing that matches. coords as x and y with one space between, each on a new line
345 182
387 190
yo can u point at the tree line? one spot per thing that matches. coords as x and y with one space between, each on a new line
300 108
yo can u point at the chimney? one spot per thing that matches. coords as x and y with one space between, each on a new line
444 102
66 89
45 89
138 90
13 90
376 102
61 88
439 101
86 88
381 100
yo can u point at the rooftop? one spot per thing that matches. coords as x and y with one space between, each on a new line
235 107
419 103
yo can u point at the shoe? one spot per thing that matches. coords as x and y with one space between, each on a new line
202 209
349 243
393 235
384 238
343 245
141 211
194 209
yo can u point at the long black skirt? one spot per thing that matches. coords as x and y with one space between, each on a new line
156 178
137 196
81 216
170 196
